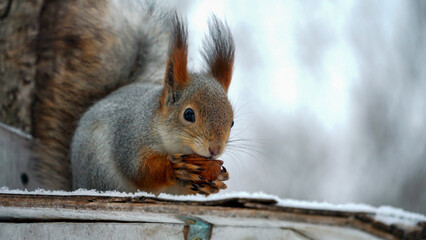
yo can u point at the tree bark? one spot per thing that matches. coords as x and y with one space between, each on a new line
19 26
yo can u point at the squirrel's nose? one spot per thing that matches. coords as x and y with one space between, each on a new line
215 149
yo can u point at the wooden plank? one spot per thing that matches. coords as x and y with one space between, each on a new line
131 230
91 230
228 232
24 208
101 231
15 160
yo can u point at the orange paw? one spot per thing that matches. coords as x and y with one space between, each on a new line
199 174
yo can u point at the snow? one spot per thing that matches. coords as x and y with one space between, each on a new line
390 215
385 214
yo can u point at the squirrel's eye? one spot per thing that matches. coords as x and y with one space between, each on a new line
189 115
232 124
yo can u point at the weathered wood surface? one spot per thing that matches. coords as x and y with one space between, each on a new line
233 213
15 160
19 25
228 222
90 230
146 231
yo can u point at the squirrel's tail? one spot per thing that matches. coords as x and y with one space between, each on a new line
87 49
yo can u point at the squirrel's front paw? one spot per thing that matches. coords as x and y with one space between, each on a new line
207 187
199 174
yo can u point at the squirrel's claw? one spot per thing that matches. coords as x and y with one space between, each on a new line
204 188
187 176
218 184
224 175
188 167
176 158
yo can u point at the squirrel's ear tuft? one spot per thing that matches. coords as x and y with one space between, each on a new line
219 51
176 75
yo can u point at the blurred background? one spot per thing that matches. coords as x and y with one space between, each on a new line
330 98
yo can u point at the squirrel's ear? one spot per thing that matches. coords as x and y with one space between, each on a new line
219 51
176 76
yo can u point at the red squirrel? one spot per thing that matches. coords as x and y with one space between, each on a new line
116 107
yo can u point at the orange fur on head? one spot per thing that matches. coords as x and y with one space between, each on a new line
178 60
176 76
221 69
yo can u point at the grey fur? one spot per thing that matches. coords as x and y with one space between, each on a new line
104 148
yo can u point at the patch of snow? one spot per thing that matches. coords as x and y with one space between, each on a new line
390 215
79 192
385 214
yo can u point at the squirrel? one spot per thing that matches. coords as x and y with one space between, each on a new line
115 106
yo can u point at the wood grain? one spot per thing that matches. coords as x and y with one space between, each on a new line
19 27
